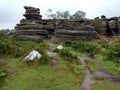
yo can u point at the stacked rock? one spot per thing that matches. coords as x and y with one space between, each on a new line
31 27
74 30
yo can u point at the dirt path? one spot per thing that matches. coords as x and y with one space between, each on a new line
100 73
88 80
103 73
2 59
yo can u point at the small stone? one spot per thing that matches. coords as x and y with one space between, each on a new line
60 47
51 54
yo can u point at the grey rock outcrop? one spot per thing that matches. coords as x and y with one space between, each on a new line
31 27
113 26
74 30
107 26
118 25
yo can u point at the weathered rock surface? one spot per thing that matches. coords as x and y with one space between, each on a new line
2 59
109 26
60 47
31 27
118 25
32 56
113 26
51 54
74 30
34 28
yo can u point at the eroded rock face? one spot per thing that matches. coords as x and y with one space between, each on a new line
107 26
74 30
31 27
118 24
113 26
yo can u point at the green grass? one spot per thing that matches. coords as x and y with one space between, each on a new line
110 66
42 77
106 85
68 75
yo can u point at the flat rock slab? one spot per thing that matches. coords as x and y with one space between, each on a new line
55 63
51 54
85 58
2 59
88 81
101 74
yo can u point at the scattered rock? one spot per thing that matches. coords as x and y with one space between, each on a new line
51 54
60 47
2 59
102 74
54 62
32 56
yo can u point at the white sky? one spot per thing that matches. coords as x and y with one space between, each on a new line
11 11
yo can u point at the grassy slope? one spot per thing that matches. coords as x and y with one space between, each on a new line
43 77
109 65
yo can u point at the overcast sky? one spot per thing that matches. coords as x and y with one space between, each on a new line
11 11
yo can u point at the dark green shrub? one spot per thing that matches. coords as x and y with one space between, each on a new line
103 44
67 55
2 36
84 47
45 58
6 47
3 74
77 69
113 53
56 50
15 47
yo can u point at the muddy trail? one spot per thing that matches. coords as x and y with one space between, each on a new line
101 73
88 80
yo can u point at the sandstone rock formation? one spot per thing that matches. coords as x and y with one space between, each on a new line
107 26
34 28
74 30
31 27
118 25
112 22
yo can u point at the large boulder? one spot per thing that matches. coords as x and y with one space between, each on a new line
32 56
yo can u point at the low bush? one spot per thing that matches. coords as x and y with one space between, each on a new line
14 47
113 53
84 47
3 73
45 59
103 44
67 55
